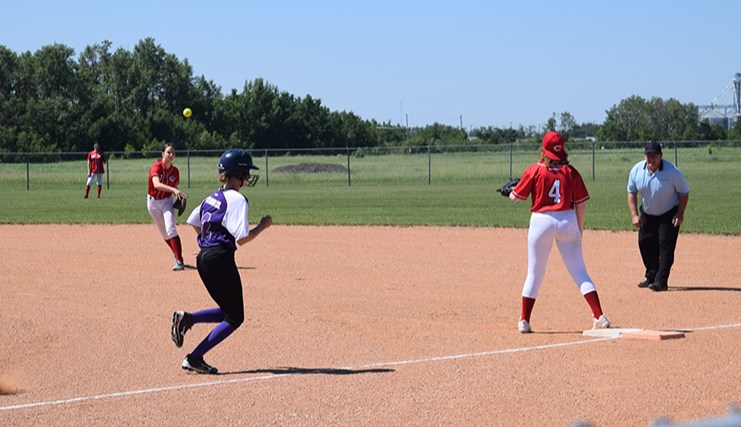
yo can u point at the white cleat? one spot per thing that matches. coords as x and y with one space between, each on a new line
524 327
602 323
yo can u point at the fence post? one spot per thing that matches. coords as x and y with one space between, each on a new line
188 151
108 173
429 166
267 173
676 154
594 143
348 165
510 161
28 173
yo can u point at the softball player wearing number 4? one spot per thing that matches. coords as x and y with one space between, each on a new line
558 195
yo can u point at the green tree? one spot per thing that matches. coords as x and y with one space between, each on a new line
567 123
438 134
550 124
735 132
627 121
45 89
637 119
10 104
494 135
584 130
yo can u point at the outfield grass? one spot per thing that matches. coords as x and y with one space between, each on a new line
393 189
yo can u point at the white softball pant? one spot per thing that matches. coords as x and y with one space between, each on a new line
562 227
95 176
163 215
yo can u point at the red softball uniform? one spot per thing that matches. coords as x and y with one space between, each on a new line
169 177
553 188
95 160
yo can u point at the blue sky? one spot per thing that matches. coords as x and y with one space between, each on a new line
485 63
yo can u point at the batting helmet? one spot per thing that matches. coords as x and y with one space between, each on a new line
237 163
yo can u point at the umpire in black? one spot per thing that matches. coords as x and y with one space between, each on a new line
664 195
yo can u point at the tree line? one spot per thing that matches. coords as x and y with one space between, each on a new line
53 100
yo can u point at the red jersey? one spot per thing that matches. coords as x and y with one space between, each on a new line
169 177
95 162
553 188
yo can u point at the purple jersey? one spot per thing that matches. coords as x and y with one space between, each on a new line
222 218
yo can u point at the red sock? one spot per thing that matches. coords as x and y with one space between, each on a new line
99 191
168 242
87 190
177 248
593 301
527 308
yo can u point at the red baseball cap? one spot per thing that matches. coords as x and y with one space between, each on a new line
554 146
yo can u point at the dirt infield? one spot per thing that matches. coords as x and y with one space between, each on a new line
361 326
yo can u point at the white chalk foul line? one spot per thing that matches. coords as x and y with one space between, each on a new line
274 376
367 366
710 328
481 354
136 392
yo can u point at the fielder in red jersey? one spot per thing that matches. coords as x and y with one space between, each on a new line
169 176
95 170
164 179
558 195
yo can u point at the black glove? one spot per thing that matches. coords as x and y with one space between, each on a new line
179 205
508 187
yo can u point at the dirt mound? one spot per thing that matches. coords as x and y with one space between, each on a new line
311 168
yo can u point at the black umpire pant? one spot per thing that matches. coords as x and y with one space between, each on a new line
657 239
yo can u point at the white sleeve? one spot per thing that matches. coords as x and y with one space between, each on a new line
236 218
194 218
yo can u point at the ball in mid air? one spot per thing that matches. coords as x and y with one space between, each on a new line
187 112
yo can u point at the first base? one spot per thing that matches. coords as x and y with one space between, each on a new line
608 332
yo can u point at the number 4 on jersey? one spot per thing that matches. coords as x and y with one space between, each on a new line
555 191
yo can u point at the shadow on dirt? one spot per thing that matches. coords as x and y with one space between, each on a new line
702 288
314 371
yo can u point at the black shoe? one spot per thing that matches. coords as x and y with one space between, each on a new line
645 284
657 287
197 364
181 322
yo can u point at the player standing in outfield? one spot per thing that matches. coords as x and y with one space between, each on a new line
558 195
164 179
221 222
95 169
664 196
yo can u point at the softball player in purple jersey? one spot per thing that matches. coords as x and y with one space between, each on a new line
221 222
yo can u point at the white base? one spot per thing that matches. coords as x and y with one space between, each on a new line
609 332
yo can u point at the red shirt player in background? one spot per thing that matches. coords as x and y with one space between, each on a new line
558 194
164 179
95 169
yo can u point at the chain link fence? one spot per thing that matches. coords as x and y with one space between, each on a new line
351 165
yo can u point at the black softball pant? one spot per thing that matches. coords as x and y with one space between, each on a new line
657 239
220 275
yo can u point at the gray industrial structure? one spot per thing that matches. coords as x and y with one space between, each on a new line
725 115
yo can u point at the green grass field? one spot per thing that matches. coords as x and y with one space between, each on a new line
451 189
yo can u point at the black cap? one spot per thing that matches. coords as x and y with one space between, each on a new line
652 148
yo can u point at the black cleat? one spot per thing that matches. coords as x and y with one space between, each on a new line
181 322
657 287
197 364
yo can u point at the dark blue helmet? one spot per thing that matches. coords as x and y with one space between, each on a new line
237 163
